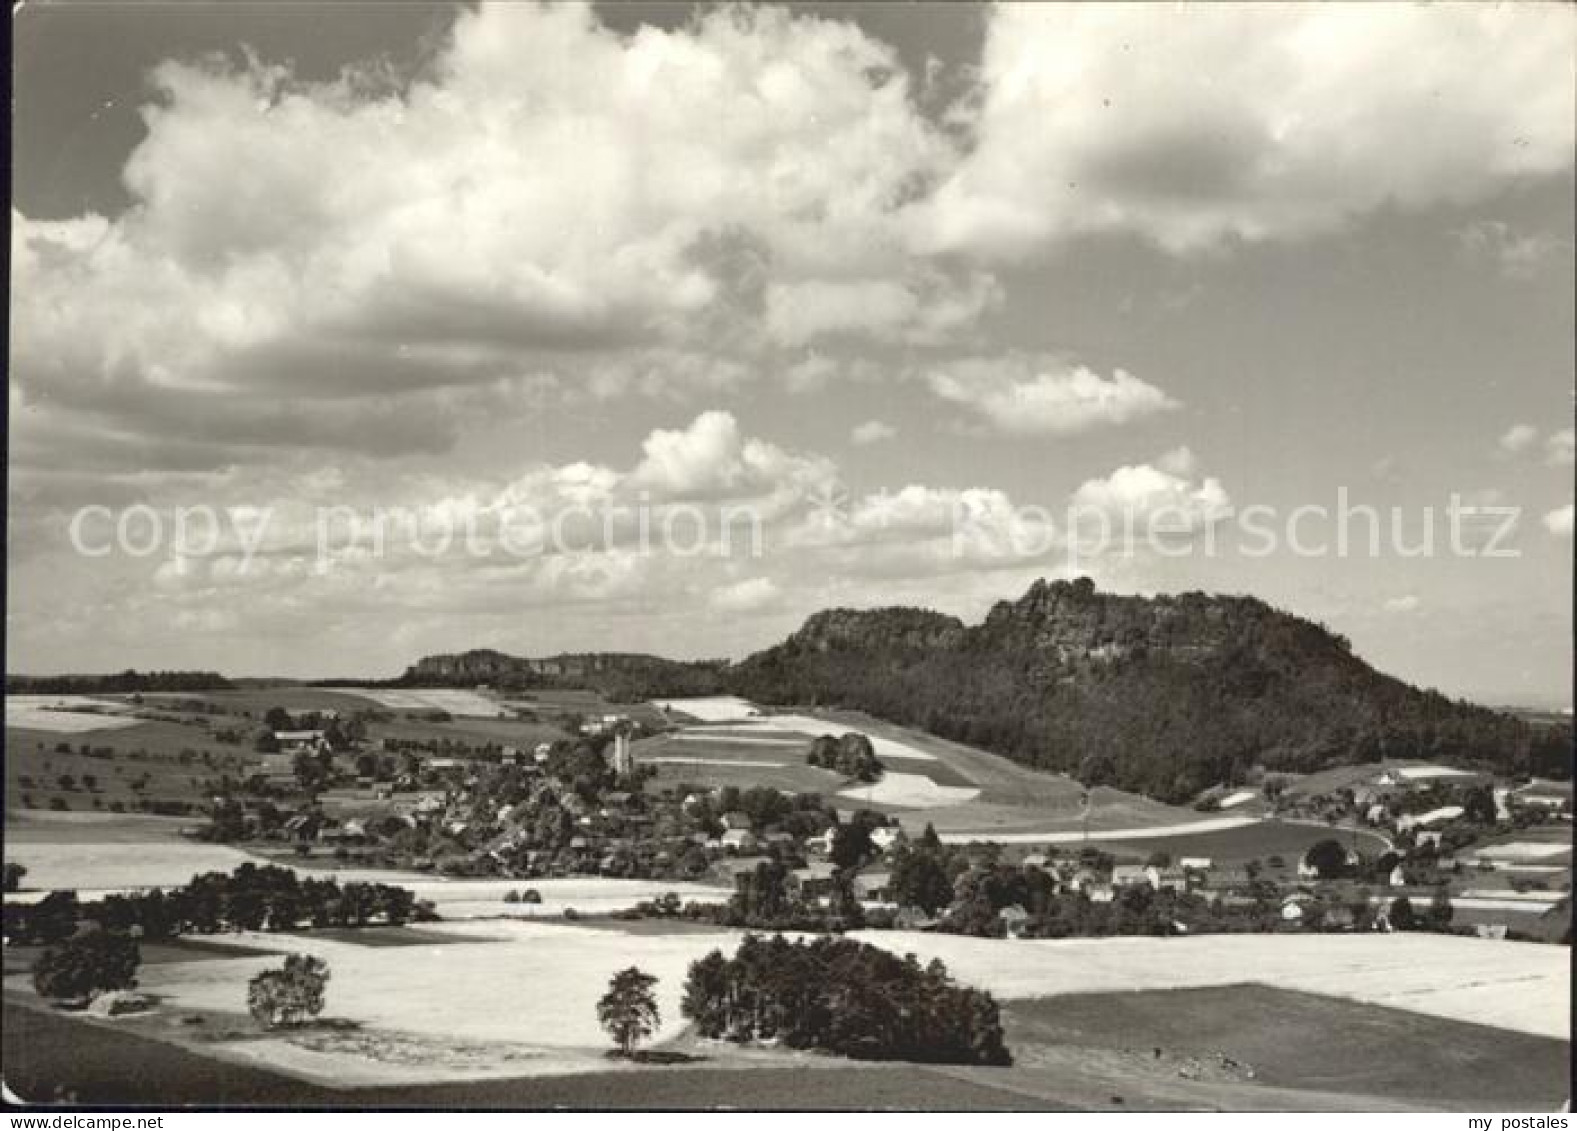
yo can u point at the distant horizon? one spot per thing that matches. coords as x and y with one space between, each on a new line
938 284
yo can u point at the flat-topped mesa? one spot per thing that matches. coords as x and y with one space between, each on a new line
627 675
894 626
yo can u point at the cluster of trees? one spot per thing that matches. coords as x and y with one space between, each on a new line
764 900
92 962
802 814
252 898
1436 916
1165 696
850 755
844 997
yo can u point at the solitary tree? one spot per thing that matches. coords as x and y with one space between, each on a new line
920 880
13 876
83 967
289 995
628 1011
1328 859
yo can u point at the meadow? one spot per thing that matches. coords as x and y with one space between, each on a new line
503 1013
1523 987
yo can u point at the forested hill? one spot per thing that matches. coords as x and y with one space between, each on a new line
1165 695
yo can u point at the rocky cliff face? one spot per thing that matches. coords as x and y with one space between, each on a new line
621 675
864 629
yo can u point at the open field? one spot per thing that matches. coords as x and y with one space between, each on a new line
65 714
32 827
909 791
1519 986
1234 844
159 761
515 982
1302 1041
1345 777
711 708
454 700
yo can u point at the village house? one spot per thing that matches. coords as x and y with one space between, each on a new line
820 844
737 871
738 840
887 836
301 741
815 881
1013 919
1133 875
874 886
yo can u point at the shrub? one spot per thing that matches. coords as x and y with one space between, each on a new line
289 995
80 968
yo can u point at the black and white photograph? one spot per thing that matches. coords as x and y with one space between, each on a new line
789 556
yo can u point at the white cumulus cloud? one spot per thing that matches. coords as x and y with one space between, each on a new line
1019 395
1559 521
872 432
1196 124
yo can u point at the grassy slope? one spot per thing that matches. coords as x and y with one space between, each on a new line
1297 1040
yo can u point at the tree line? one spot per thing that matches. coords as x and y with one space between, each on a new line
252 898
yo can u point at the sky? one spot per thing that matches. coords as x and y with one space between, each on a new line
927 293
